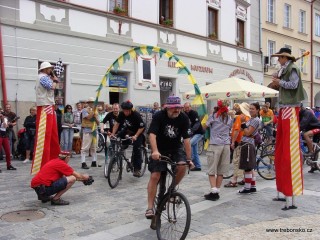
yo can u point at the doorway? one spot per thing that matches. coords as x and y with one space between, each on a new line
166 89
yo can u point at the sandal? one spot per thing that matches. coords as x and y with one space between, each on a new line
149 214
231 184
241 182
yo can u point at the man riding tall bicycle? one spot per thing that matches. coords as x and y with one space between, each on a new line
167 128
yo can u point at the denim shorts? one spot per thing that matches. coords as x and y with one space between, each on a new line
177 155
56 186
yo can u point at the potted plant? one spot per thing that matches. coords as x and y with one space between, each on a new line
168 22
118 10
213 35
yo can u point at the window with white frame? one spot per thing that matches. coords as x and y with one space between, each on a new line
287 16
146 70
271 50
302 21
317 65
271 11
317 25
302 62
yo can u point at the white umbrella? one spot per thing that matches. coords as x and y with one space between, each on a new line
233 88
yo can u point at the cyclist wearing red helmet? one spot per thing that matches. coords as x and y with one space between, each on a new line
133 125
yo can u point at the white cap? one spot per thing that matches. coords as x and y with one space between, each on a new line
45 65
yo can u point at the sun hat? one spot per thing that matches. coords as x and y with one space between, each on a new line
284 52
64 154
173 102
45 65
91 99
244 107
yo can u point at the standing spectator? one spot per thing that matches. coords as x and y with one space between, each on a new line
195 134
248 150
47 141
317 112
11 116
266 115
89 118
101 114
218 152
77 116
67 122
133 126
287 155
30 125
155 108
236 136
4 140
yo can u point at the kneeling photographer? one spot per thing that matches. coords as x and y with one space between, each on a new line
57 177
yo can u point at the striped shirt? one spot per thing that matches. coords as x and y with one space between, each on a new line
219 130
255 123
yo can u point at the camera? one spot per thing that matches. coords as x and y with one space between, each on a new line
89 181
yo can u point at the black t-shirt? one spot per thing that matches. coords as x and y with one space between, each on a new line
112 119
195 123
132 122
169 131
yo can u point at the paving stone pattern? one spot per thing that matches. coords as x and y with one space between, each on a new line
99 212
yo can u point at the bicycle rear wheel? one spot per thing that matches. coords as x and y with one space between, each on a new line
114 171
173 222
268 149
101 143
145 161
265 167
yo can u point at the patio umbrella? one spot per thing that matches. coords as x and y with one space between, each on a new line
233 88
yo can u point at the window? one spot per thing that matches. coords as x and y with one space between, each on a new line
287 16
302 62
302 21
146 69
240 33
317 25
119 6
271 50
213 23
271 11
166 12
317 65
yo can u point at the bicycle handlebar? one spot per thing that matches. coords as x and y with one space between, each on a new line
169 160
114 138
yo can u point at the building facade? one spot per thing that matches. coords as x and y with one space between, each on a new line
214 38
293 24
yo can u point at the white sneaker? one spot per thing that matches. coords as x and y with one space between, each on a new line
26 161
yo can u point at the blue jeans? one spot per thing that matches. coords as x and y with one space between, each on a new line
67 139
268 130
194 150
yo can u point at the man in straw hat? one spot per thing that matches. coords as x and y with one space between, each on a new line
46 141
56 177
242 111
287 156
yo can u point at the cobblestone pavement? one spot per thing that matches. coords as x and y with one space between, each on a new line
99 212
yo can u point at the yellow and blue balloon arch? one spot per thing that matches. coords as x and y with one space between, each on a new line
149 50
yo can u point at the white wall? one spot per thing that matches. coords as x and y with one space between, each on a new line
96 4
144 35
146 10
28 14
191 16
228 21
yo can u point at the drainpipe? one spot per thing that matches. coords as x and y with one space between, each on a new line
3 77
311 51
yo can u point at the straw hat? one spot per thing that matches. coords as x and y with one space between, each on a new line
45 65
284 52
244 107
91 99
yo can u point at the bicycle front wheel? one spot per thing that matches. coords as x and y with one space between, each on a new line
265 167
173 222
101 143
114 171
107 159
145 161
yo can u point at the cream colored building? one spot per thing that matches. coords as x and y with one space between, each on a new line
287 23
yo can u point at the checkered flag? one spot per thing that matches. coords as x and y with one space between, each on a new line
58 68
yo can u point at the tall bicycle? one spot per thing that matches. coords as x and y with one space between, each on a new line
172 209
118 160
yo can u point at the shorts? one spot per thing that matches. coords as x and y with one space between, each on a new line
158 166
247 157
56 186
218 157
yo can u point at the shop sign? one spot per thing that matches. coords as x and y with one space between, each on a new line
118 83
118 89
165 85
